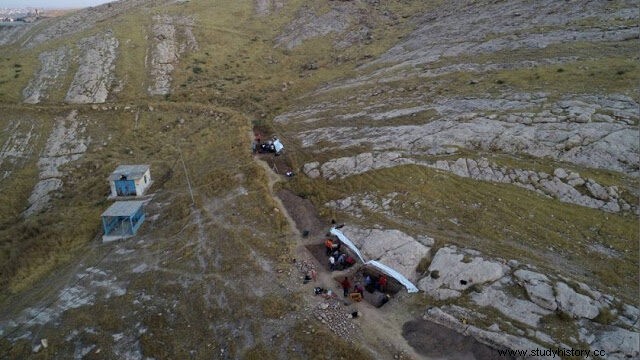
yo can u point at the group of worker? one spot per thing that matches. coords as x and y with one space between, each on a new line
337 260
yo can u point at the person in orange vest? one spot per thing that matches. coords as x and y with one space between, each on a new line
329 245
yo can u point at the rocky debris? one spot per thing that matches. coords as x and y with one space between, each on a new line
453 271
575 304
392 247
334 315
309 24
64 145
18 145
538 288
95 75
168 46
266 7
54 66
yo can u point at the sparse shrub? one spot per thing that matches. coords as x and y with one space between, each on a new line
197 70
476 288
621 72
423 266
499 81
563 316
467 259
605 316
560 70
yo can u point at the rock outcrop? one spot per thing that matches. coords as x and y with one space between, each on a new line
95 76
65 144
172 36
452 272
54 65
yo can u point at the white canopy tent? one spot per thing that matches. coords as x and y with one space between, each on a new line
376 264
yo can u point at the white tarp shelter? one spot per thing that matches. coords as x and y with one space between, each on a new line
278 145
376 264
347 242
394 274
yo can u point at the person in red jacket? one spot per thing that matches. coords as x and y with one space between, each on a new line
346 285
382 283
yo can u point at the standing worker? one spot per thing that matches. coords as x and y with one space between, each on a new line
346 285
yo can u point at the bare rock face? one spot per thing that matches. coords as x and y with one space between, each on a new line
10 34
64 145
538 288
95 76
618 343
308 24
19 144
54 66
266 7
392 247
172 36
521 310
575 304
452 272
347 166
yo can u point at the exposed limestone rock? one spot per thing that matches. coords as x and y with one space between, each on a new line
11 34
538 288
54 66
171 36
95 75
266 7
392 247
347 166
63 146
311 169
80 20
497 340
18 146
457 271
521 310
574 304
611 146
308 24
618 343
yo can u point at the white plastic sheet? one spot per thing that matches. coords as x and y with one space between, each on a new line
394 274
376 264
347 242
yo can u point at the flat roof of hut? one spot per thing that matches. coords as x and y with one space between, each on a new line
122 220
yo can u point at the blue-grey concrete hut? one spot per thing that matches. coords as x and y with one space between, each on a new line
130 180
122 220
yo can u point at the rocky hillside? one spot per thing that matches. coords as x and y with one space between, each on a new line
487 150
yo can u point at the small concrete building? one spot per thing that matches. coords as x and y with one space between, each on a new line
122 220
130 180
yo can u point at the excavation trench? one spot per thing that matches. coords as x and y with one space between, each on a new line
394 326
